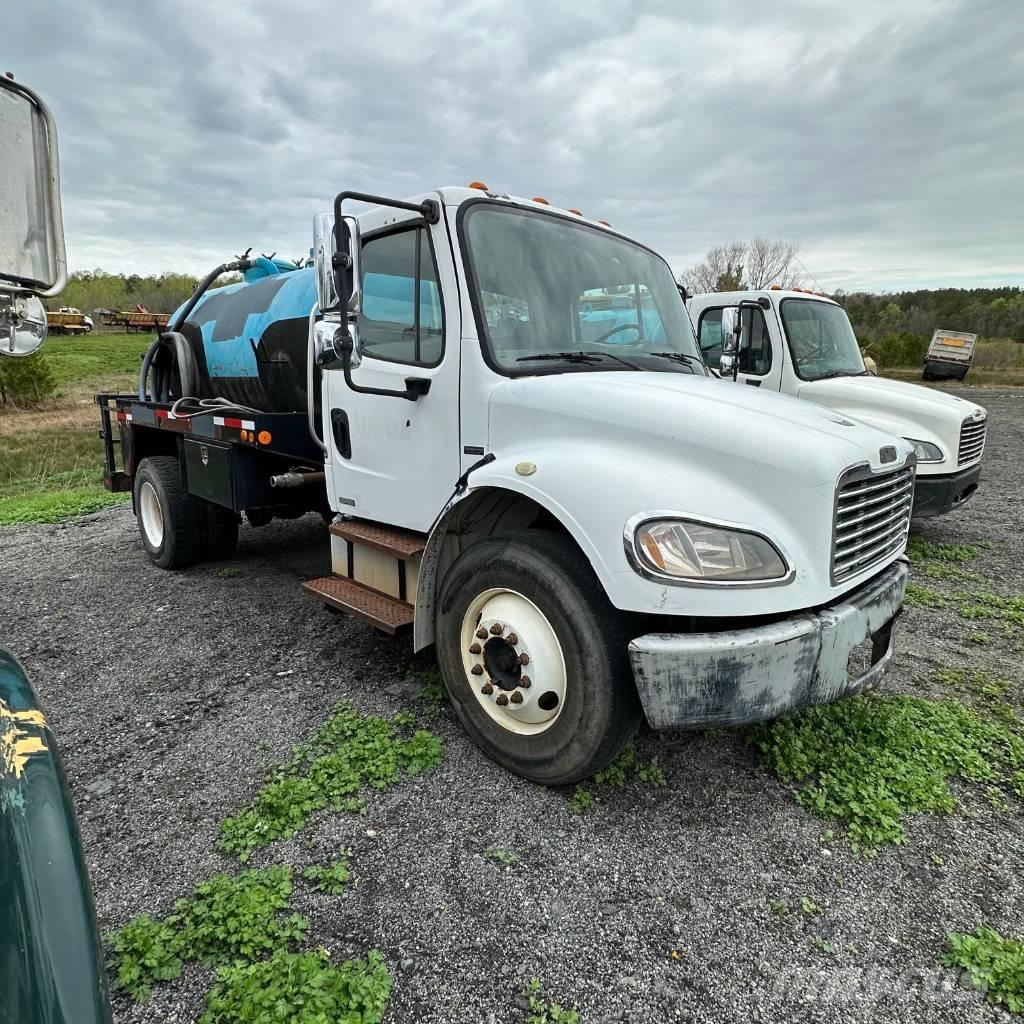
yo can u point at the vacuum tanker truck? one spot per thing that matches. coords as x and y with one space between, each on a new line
587 525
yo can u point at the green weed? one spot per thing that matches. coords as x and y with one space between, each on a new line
331 879
146 951
229 572
349 751
542 1010
228 918
994 964
1008 610
500 856
300 988
872 760
923 597
581 800
624 768
808 906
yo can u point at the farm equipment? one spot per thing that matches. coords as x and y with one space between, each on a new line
134 320
68 320
802 344
949 356
586 525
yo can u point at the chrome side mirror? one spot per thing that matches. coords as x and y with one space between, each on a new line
32 257
329 337
727 364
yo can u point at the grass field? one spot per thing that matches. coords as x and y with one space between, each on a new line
51 457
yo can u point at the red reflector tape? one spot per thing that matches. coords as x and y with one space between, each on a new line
230 421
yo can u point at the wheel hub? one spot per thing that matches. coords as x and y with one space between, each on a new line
513 661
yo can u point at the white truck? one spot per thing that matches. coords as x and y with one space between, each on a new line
586 524
800 343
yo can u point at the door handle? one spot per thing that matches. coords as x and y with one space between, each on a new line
753 383
342 435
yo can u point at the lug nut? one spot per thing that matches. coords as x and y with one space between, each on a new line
524 658
513 638
477 670
502 699
525 682
487 689
481 634
516 698
497 629
475 649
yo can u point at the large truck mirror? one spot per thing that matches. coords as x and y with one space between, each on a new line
32 257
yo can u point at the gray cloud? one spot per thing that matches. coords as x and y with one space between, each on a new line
886 139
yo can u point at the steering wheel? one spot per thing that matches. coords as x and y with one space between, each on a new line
615 330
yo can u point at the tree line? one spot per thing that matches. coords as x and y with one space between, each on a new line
89 290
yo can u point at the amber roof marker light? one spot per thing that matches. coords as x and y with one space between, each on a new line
478 185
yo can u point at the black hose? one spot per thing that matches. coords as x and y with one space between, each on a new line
173 346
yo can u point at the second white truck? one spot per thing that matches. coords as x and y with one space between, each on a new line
801 343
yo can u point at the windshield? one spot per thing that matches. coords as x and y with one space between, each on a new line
557 296
821 339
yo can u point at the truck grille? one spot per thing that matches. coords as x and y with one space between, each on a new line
972 440
872 518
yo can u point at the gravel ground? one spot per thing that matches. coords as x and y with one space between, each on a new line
171 694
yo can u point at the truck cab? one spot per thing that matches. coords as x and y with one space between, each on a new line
501 410
801 343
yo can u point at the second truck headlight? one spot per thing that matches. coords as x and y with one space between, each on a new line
704 552
926 451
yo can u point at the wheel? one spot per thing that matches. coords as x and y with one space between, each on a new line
535 658
221 532
171 523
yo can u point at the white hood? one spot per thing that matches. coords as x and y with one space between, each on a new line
907 410
607 446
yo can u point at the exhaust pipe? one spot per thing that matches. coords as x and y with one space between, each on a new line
293 479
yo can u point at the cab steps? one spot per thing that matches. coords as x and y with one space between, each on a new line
375 573
380 610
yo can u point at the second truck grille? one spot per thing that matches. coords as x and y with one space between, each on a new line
872 519
972 440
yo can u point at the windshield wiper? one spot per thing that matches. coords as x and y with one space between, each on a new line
842 373
565 357
678 357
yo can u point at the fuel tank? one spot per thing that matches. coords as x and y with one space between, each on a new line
250 338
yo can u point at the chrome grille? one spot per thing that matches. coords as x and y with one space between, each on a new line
972 440
872 519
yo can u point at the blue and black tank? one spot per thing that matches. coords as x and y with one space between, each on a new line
250 339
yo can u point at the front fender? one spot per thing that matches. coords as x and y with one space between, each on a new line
51 963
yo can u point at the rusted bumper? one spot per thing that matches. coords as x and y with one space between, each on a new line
699 680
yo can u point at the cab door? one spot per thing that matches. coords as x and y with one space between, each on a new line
393 460
760 357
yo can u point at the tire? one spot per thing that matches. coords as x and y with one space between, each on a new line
541 596
172 524
221 532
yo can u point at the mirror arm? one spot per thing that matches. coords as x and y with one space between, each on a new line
415 387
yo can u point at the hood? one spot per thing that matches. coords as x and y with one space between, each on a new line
685 411
907 410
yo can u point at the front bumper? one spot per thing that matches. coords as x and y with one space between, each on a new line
936 495
699 680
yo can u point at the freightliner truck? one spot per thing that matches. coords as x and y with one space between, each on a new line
586 524
801 343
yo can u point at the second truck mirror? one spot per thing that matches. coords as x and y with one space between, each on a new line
32 255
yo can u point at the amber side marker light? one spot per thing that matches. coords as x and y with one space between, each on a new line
478 184
263 437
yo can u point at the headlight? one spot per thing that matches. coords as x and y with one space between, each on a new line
703 552
926 451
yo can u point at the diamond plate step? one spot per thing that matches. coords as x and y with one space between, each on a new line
402 544
380 610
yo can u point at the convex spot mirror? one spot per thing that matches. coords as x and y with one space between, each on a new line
22 324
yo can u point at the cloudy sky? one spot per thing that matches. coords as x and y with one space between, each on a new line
885 137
